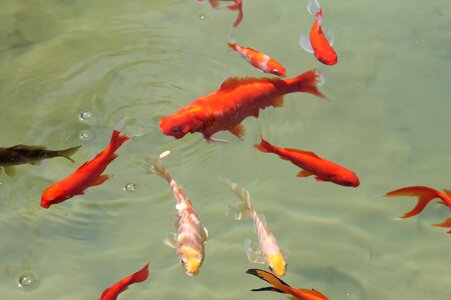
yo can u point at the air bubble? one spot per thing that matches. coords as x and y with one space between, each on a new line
86 115
203 17
85 135
26 280
130 187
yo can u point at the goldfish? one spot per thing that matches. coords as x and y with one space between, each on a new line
318 44
312 164
259 60
278 285
235 100
237 6
268 251
113 291
191 236
23 154
425 195
88 175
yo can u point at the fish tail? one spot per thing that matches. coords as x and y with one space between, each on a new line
314 8
244 211
154 166
308 82
278 285
141 275
116 138
67 153
233 45
424 194
264 146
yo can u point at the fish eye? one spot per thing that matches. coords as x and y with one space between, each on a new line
182 261
275 72
176 129
270 268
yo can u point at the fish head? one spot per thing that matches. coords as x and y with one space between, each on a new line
174 125
52 195
191 260
278 70
349 179
277 264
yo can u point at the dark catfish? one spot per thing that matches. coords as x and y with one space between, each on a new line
23 154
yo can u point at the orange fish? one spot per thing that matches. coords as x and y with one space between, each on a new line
234 101
89 174
425 195
237 6
318 44
278 285
312 164
112 292
259 60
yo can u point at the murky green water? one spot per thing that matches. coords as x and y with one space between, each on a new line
388 120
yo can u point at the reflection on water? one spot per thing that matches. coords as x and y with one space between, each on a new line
70 70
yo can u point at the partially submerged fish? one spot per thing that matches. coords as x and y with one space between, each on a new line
268 251
189 241
23 154
278 285
113 291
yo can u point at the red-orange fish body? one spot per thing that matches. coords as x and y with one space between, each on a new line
235 100
89 174
312 164
260 60
112 292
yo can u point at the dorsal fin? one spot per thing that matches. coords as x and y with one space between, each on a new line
308 153
234 82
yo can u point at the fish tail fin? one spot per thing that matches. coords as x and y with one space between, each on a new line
264 146
233 45
154 166
214 3
116 138
141 275
308 82
278 285
237 6
424 194
314 8
245 210
444 224
67 153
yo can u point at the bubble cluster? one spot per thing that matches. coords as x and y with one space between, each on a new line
85 135
86 115
130 187
26 279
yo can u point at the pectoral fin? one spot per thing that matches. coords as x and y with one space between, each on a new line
171 240
100 180
253 253
304 173
238 130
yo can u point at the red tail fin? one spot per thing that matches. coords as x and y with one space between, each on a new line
116 138
424 194
112 292
237 6
264 146
308 82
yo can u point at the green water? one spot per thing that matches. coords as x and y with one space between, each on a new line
388 120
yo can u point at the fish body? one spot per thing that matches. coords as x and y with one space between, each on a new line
312 164
24 154
269 251
278 285
89 174
259 60
317 43
113 291
191 236
234 101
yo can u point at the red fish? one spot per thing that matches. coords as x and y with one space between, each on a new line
425 195
318 44
312 164
234 101
89 174
279 286
259 60
112 292
237 6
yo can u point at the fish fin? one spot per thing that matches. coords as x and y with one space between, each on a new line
285 253
101 179
67 153
171 240
271 289
277 101
308 82
262 218
305 44
254 254
155 166
239 211
214 3
265 146
234 82
237 6
319 179
238 130
330 36
10 171
275 281
244 209
445 224
116 138
204 233
211 139
448 192
313 7
304 173
310 294
141 275
424 194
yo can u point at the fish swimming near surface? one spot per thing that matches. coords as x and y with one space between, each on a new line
312 164
189 241
113 291
235 100
268 251
280 286
425 196
259 60
237 6
318 44
23 154
88 175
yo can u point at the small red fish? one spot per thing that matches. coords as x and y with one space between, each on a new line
312 164
279 286
113 291
89 174
259 60
237 6
234 101
318 44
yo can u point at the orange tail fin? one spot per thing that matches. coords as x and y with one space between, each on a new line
308 82
424 194
278 285
116 138
445 224
237 6
264 146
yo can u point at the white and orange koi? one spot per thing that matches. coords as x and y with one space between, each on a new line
268 251
189 241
